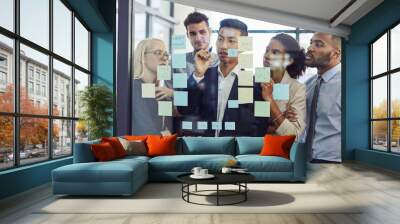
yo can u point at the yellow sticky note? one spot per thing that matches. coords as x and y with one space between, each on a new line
164 108
245 95
148 90
163 72
245 43
245 78
245 60
261 109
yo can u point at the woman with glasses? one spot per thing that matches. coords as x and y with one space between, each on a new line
287 62
149 54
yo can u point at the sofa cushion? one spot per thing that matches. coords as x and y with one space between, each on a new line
116 145
111 171
161 145
185 163
249 145
257 163
208 145
83 152
103 152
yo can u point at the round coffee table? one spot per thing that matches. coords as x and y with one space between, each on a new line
238 179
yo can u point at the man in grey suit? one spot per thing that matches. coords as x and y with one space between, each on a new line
323 131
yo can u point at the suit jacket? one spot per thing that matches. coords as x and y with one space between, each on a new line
203 103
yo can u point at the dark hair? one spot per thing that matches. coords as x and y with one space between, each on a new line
236 24
296 53
195 17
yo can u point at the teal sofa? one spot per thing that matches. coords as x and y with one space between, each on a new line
125 176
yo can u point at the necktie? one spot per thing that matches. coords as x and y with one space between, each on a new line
313 117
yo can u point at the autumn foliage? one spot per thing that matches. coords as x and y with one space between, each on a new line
33 131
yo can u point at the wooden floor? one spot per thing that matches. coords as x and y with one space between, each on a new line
377 188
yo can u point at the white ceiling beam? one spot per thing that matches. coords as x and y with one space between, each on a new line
347 12
269 15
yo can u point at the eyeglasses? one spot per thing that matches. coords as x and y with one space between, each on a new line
159 53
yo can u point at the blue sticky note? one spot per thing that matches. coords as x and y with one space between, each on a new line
202 125
179 80
178 42
232 52
178 60
216 125
180 98
233 104
230 126
281 92
186 125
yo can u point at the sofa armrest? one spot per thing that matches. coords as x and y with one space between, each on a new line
298 157
83 152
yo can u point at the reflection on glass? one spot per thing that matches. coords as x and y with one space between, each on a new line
81 131
62 89
81 81
34 96
62 138
395 136
140 27
163 6
395 47
161 30
35 21
6 74
62 29
33 139
379 135
7 14
81 45
395 95
379 97
379 55
6 142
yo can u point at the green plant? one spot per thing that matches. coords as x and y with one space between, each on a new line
96 102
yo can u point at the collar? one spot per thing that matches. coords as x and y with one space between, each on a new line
234 72
328 75
286 78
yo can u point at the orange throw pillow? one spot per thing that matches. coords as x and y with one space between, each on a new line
116 145
135 137
161 145
275 145
103 152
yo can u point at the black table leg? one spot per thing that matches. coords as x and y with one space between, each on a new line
217 194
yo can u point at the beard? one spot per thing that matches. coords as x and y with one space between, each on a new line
319 62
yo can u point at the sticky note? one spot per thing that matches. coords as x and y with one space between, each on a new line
179 80
232 52
262 74
202 125
180 98
230 126
245 78
148 90
281 92
216 125
163 72
164 108
245 43
178 42
245 60
178 60
186 125
261 109
233 104
245 95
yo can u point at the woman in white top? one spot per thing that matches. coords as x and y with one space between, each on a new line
286 60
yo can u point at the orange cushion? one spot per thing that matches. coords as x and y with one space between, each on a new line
275 145
116 145
103 152
135 137
158 145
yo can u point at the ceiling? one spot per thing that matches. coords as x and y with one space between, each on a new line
319 15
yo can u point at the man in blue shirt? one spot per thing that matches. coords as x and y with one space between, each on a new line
323 132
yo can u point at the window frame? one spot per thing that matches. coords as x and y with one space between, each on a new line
388 74
16 115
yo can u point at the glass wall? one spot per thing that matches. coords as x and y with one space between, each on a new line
40 85
385 96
